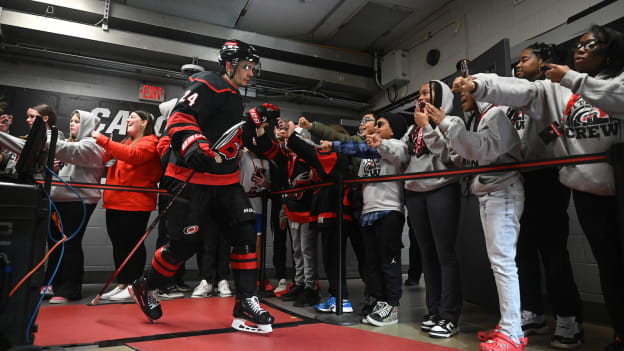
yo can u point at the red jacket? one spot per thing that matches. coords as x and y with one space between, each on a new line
137 165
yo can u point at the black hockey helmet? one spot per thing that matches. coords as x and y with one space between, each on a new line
235 51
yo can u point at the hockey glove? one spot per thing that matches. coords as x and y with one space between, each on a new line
198 154
263 113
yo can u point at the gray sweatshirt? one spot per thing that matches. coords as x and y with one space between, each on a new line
82 158
435 156
495 142
83 162
589 109
386 196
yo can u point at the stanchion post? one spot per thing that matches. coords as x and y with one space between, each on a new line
339 221
263 243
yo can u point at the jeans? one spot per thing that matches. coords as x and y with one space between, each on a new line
500 216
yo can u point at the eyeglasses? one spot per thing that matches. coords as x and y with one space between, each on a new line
587 45
366 120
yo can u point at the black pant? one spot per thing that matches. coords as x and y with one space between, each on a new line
415 261
162 238
435 217
544 230
68 280
213 258
125 228
382 257
598 218
329 240
202 210
279 240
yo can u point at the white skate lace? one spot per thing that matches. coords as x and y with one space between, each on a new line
254 304
152 299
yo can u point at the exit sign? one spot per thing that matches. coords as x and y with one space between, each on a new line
151 92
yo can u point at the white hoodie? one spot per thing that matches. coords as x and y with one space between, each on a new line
494 142
591 119
437 156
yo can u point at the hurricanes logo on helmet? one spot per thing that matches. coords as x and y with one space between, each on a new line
191 229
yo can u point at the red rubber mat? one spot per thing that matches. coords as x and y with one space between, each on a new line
82 324
303 337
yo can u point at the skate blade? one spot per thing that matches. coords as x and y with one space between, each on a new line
246 326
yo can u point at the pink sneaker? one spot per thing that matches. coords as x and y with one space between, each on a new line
58 300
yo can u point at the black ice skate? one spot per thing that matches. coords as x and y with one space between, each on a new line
250 317
146 299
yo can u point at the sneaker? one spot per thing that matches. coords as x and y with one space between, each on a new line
280 293
293 293
367 308
443 329
146 299
282 285
501 342
108 295
182 287
568 333
204 289
327 305
58 300
429 320
346 306
223 288
170 292
308 298
122 296
533 323
383 315
47 293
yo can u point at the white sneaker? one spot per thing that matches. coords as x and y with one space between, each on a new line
533 324
122 296
108 295
223 288
282 285
204 289
48 293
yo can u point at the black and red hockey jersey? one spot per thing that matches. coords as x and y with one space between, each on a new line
328 165
211 106
297 205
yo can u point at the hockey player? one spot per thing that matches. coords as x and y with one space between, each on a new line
205 128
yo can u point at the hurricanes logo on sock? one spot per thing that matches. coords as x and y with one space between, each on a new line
191 229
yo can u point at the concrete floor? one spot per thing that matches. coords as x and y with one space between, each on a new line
474 318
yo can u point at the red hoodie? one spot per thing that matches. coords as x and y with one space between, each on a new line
137 165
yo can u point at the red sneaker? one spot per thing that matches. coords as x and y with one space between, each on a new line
502 342
282 292
268 286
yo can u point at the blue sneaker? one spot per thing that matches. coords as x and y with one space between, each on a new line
329 305
346 306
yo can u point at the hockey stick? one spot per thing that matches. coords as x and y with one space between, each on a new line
149 229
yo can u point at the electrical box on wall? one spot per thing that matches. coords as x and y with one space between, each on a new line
394 68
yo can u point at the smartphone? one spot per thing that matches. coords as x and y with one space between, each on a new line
464 68
551 132
8 120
